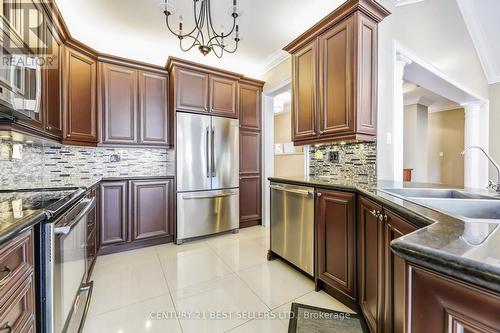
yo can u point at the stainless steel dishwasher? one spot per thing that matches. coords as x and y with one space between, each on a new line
292 224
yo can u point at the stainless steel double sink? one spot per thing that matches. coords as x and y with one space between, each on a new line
466 206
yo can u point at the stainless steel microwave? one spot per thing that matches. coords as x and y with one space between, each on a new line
20 83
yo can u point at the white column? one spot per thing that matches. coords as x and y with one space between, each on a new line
398 109
473 161
268 151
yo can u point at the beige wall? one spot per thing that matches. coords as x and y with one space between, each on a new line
289 164
278 74
494 126
446 135
282 128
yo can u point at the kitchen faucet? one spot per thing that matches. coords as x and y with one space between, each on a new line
491 184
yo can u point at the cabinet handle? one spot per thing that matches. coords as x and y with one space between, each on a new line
380 217
69 135
50 128
6 327
318 194
7 275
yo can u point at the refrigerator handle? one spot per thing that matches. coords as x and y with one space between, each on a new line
207 151
213 152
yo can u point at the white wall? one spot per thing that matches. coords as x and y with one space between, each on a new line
415 141
435 31
494 126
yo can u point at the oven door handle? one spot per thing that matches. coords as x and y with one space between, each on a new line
64 230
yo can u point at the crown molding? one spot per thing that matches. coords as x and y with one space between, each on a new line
399 3
489 63
274 60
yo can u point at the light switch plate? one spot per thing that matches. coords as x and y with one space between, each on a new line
17 151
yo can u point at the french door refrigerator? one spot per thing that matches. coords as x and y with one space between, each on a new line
207 175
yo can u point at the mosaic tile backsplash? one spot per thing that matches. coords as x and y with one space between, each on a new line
63 166
358 161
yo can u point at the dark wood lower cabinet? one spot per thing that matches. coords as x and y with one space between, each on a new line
442 304
395 274
152 209
370 263
135 214
336 243
250 201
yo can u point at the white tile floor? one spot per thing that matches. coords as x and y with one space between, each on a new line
138 291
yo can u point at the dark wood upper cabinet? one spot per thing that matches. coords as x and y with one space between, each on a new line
370 263
153 109
118 89
223 95
304 73
438 303
250 106
152 209
113 217
394 274
191 90
250 144
336 112
79 109
341 52
51 86
336 241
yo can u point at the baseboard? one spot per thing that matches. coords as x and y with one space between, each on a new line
250 223
110 249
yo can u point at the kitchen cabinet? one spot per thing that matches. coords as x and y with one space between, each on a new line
135 214
250 92
202 89
395 276
118 86
223 96
439 303
334 75
113 217
17 309
152 209
134 106
336 243
79 95
370 263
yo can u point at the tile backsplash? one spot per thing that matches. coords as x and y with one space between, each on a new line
358 161
63 166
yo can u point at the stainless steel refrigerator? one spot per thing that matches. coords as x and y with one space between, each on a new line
207 175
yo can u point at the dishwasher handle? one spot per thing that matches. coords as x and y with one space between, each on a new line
291 190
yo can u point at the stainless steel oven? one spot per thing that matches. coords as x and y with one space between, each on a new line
66 296
20 81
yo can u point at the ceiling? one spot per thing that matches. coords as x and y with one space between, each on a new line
415 94
136 29
481 18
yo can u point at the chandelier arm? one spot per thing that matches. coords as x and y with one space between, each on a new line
195 42
176 34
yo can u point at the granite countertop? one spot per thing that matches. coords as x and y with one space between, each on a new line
467 250
12 222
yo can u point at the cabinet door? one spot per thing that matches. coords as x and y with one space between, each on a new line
152 209
250 153
51 88
153 109
336 240
223 93
119 103
438 303
370 261
80 97
336 112
113 221
191 89
250 107
250 200
395 274
304 109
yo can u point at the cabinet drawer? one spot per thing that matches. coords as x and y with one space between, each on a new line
18 308
16 261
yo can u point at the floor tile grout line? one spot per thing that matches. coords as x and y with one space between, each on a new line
168 288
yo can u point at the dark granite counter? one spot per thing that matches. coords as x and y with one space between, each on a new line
467 250
23 209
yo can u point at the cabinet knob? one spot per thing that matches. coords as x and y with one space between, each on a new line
374 212
380 217
50 128
69 135
318 194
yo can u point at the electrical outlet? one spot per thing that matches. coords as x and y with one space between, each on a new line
334 156
17 151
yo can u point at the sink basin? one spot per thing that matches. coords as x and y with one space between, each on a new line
468 210
436 193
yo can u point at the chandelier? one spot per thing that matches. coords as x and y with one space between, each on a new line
204 35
